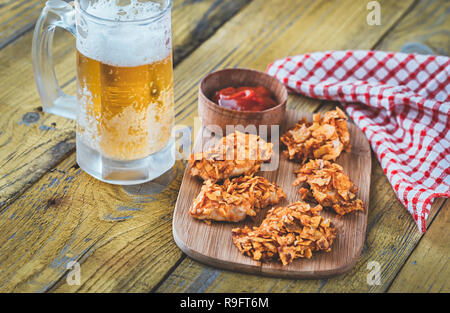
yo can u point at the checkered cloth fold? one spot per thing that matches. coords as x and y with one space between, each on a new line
402 104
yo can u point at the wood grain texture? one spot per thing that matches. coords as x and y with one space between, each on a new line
263 24
256 48
33 142
253 38
17 17
391 235
122 230
195 21
426 30
427 269
213 245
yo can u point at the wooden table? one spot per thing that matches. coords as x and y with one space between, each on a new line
52 213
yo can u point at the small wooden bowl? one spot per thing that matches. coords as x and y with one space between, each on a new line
213 115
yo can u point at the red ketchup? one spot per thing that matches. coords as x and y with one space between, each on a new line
245 98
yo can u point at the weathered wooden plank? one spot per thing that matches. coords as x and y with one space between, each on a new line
57 223
270 32
391 234
264 39
17 17
190 30
36 133
427 268
425 30
33 142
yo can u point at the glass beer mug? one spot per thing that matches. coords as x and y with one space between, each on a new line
124 105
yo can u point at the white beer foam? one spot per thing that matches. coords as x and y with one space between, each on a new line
124 44
134 10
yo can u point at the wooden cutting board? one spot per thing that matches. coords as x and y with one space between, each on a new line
213 245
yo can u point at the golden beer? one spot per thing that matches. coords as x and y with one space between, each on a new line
124 105
127 111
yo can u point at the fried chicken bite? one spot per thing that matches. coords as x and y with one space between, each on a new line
235 199
290 232
236 154
328 184
325 138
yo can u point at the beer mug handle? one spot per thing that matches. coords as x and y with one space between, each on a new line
56 13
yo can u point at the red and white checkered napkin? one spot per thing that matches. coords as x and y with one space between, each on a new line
402 104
